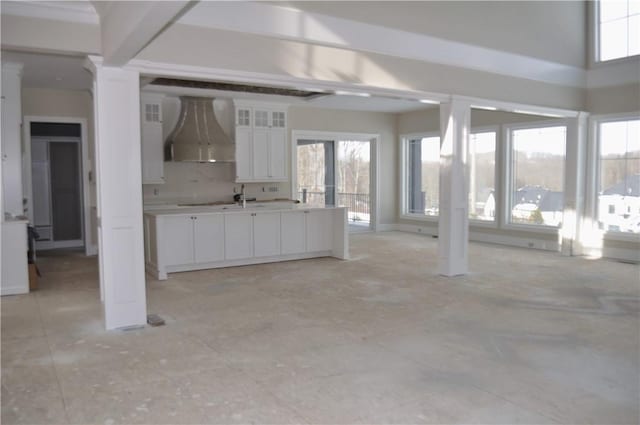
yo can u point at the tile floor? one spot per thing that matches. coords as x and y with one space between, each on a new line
526 337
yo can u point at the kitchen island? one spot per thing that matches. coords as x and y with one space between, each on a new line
202 237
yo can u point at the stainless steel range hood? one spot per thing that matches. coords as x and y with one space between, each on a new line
198 137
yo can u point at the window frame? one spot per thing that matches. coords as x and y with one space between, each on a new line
496 176
594 169
508 175
404 176
596 50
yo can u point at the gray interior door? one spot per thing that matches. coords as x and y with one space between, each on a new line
66 202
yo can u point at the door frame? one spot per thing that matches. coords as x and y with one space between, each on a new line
374 140
90 247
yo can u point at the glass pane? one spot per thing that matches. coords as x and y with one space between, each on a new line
538 176
352 180
634 7
619 192
613 39
423 162
612 9
311 173
482 163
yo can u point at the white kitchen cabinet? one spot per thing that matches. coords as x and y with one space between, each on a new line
177 232
261 142
307 231
176 241
191 239
253 234
318 225
238 236
152 139
266 234
12 139
293 232
15 275
208 237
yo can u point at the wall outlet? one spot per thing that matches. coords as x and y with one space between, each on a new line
156 191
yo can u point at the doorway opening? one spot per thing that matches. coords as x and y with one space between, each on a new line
56 192
337 171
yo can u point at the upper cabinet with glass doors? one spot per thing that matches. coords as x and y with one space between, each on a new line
261 142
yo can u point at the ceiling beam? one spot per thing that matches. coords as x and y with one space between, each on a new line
127 27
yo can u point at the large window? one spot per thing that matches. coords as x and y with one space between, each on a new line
537 177
421 166
619 191
482 170
619 28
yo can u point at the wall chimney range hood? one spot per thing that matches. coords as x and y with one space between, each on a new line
198 137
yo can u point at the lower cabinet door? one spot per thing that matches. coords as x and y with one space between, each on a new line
266 234
208 236
238 236
177 240
319 227
292 232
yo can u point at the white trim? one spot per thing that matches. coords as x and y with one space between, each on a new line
374 163
85 168
291 24
57 11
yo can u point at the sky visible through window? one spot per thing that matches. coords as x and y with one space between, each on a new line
619 28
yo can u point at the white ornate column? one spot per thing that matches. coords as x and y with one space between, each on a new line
116 100
453 222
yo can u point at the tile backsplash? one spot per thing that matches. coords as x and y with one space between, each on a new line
188 182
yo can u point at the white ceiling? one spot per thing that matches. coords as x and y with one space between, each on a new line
68 73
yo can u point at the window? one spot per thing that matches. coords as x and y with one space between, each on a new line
482 169
537 175
618 28
619 191
421 168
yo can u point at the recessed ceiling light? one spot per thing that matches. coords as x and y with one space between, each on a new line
58 78
429 101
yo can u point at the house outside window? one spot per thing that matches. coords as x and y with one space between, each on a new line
482 169
618 29
537 175
619 176
421 168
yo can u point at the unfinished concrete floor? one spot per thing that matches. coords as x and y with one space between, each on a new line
527 337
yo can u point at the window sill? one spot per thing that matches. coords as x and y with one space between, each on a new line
483 223
532 228
419 217
621 237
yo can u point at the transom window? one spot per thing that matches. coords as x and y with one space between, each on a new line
618 28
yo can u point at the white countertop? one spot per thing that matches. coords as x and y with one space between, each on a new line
232 208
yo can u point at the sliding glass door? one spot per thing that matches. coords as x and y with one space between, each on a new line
336 172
